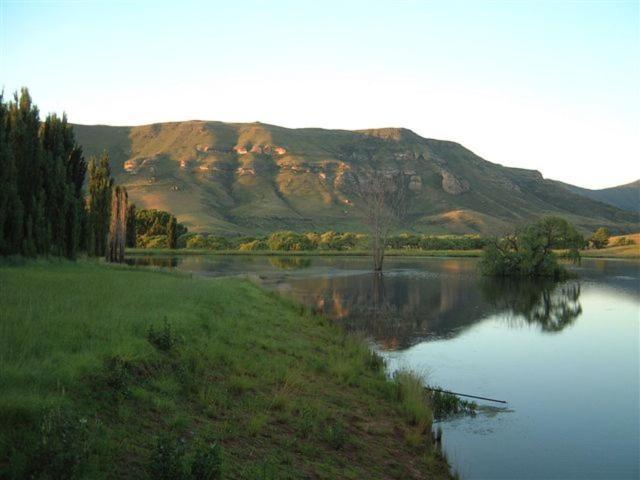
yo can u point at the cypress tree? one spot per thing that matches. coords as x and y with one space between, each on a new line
118 226
24 125
11 228
131 226
99 211
172 233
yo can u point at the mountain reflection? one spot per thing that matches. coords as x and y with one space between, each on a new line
403 308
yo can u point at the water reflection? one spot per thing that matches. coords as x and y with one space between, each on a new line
551 305
151 261
290 263
400 309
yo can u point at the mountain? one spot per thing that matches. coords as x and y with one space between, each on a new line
626 197
255 178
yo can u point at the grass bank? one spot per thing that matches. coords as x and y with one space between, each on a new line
627 251
116 372
306 253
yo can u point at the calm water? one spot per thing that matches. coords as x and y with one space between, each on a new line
565 356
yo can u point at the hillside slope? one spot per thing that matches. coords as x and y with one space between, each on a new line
255 178
626 197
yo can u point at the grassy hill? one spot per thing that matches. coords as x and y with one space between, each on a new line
256 178
626 197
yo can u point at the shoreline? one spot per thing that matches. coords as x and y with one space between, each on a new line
620 253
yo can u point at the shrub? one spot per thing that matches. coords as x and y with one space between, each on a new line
288 241
63 447
217 243
253 245
164 338
207 461
167 459
600 239
197 241
336 435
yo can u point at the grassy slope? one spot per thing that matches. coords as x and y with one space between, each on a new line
622 196
285 393
190 169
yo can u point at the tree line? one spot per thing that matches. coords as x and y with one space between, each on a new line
43 210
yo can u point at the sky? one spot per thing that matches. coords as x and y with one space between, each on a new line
552 86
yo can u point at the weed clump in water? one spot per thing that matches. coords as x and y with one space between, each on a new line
445 405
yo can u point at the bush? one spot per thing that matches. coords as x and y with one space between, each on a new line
336 435
600 239
197 241
165 338
207 461
63 447
253 245
167 459
288 241
151 241
217 243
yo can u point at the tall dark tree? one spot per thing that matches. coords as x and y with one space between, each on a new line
131 226
10 205
63 167
117 226
172 233
24 142
99 211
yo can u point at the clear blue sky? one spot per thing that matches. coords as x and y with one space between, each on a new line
547 85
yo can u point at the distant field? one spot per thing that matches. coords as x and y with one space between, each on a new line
627 251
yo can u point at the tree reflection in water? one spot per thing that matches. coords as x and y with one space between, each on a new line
401 310
551 305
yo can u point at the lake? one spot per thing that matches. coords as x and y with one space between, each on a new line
565 356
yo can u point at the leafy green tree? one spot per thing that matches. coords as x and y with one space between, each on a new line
99 214
530 252
600 239
172 233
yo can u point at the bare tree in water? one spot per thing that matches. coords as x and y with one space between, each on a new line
384 196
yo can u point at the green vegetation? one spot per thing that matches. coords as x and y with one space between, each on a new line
600 239
113 372
530 252
192 170
156 229
329 242
99 205
41 176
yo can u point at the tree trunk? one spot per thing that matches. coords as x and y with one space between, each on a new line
118 226
378 253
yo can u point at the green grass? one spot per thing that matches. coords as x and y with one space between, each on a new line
306 253
116 372
627 251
